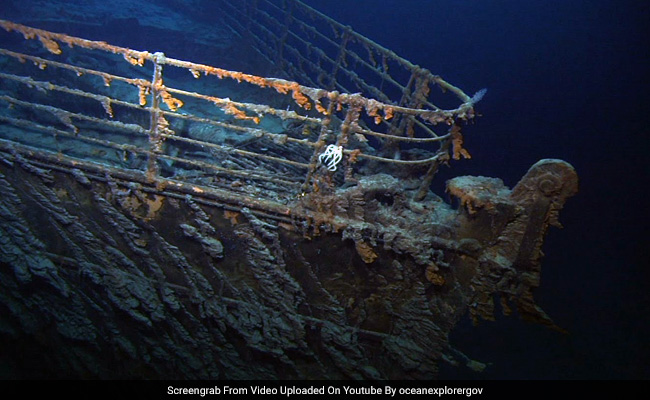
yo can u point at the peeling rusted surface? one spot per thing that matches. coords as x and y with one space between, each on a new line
372 293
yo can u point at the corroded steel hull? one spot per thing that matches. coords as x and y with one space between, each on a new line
116 278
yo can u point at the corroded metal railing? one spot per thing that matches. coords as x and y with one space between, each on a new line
167 125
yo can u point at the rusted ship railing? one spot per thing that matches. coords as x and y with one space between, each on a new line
89 92
310 47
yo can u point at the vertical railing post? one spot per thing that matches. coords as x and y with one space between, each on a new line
155 140
313 162
340 59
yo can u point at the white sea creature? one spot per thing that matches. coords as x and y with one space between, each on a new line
478 96
331 156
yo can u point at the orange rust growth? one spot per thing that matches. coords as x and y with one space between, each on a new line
353 156
143 92
163 125
137 61
232 216
388 113
50 45
31 33
142 206
457 143
230 108
224 73
366 252
144 89
372 109
281 86
320 108
27 32
301 99
432 275
466 200
153 205
172 102
285 87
